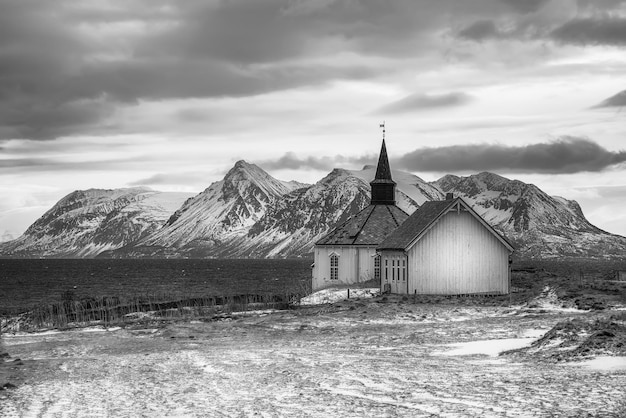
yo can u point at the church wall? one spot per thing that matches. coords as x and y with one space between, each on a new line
458 255
356 264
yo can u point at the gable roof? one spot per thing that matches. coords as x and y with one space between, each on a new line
368 227
424 218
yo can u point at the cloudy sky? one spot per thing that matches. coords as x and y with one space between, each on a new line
169 94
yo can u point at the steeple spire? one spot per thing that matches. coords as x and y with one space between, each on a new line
383 171
383 186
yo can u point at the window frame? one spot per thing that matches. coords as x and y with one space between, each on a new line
377 267
334 266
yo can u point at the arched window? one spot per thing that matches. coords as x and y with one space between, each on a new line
377 267
334 267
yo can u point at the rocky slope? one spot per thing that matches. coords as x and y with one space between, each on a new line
540 226
87 222
213 223
304 216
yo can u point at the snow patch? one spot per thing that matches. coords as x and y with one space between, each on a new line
333 295
486 347
605 363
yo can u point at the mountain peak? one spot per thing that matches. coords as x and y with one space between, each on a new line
242 164
245 170
490 178
336 173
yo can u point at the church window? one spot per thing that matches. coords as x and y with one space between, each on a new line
334 267
386 270
377 267
403 269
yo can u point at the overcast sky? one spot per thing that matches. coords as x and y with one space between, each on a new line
169 95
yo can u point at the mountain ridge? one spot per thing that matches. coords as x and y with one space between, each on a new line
249 214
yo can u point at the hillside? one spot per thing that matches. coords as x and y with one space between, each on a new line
87 222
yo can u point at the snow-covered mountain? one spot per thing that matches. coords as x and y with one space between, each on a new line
251 214
302 217
87 222
212 223
263 218
540 226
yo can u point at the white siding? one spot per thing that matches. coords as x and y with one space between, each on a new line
356 264
458 255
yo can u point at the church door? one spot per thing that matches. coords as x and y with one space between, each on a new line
397 274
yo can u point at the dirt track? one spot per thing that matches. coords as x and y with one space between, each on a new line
352 359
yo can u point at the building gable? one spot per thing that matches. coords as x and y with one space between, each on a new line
425 218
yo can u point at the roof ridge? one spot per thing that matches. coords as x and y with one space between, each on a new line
392 215
364 223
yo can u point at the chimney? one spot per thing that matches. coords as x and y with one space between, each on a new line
449 196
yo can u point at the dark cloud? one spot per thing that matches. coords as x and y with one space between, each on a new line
420 101
62 70
65 66
619 100
290 161
605 30
526 6
46 165
480 30
565 155
45 120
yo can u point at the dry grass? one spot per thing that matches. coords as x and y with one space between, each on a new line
111 311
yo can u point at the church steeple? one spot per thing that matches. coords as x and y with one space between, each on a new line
383 186
383 172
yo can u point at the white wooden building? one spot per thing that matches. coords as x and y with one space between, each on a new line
445 248
347 254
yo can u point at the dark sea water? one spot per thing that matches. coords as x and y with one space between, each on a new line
28 282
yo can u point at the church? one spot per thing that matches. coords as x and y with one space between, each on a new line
443 248
347 254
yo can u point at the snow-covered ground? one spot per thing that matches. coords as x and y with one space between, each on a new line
353 358
606 363
489 347
332 295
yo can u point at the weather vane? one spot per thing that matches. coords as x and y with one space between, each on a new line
382 125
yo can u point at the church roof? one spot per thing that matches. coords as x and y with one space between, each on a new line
368 227
426 216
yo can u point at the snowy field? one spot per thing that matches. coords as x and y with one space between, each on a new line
354 358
